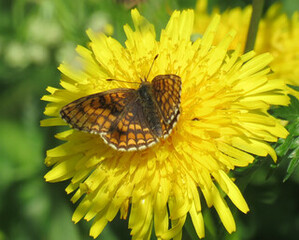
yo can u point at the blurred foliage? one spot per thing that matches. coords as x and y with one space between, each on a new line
35 36
288 149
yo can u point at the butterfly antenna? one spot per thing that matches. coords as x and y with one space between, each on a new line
151 66
113 79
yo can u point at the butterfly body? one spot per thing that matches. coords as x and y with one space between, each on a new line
129 119
150 108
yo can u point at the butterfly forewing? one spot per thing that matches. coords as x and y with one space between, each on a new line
98 112
167 92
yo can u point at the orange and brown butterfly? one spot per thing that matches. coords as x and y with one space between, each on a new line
129 119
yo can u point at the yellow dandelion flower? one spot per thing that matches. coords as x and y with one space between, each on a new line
236 18
223 123
277 34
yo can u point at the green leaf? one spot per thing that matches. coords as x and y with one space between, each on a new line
288 149
292 166
291 141
290 112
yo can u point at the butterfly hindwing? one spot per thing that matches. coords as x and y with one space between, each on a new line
132 131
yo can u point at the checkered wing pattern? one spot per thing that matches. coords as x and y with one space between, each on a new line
167 92
132 131
98 113
167 128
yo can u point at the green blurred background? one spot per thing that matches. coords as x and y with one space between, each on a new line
35 37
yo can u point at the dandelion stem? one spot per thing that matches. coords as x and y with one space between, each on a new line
257 9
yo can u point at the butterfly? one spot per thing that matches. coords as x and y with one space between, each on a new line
129 119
